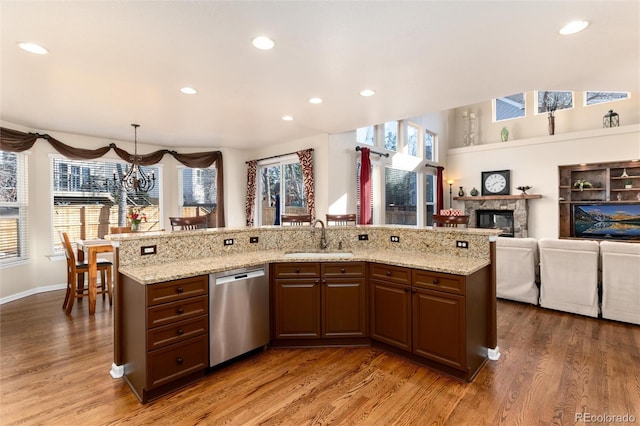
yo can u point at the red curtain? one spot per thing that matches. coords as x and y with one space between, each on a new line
440 193
365 187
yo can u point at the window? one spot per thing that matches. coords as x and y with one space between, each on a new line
365 135
13 208
554 101
400 192
429 146
593 98
86 201
413 139
199 191
509 107
285 178
391 135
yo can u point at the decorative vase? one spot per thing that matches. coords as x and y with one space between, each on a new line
552 124
474 192
461 192
135 226
504 134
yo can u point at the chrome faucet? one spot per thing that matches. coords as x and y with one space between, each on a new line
323 237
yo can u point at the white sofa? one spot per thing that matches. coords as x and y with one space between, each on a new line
569 275
620 281
516 269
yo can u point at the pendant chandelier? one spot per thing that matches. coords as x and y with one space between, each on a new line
135 179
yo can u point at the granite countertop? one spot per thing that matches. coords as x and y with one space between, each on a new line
188 268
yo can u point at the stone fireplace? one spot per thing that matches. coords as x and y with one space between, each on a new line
515 203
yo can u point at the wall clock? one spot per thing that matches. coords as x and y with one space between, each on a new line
496 183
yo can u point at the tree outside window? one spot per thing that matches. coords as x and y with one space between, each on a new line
391 135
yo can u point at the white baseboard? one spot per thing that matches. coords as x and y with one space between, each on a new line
31 292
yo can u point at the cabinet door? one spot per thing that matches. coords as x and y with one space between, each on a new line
344 310
438 327
391 313
297 308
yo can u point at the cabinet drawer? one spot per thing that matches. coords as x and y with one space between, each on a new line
177 290
343 269
175 361
177 332
438 281
168 313
390 273
297 270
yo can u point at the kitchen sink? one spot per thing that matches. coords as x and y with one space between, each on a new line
317 254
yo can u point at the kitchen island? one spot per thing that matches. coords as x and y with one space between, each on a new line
415 274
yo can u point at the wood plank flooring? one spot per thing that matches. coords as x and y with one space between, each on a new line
55 371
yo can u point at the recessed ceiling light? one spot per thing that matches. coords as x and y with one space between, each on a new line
367 92
264 43
287 118
315 101
574 27
33 48
188 90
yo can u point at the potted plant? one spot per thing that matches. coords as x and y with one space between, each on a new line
627 184
581 184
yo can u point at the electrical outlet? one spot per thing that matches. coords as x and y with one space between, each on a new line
253 240
145 250
462 244
363 237
228 242
395 239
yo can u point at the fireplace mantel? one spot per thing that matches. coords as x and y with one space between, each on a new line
499 197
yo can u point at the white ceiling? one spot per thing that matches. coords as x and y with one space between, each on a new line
113 63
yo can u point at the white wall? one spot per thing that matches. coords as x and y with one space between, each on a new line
535 162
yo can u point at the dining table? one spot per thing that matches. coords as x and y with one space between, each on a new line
91 249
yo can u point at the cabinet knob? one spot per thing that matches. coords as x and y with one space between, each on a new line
180 311
343 270
297 270
179 361
179 290
180 332
388 273
436 281
413 291
407 289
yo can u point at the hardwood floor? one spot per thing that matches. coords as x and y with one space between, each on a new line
55 371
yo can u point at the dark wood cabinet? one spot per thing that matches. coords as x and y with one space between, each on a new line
319 300
391 314
434 316
297 308
344 300
165 334
390 305
438 326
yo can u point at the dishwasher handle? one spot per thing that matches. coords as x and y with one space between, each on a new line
256 273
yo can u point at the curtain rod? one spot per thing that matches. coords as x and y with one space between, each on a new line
382 154
277 156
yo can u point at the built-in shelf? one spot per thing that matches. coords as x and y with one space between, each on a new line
609 182
499 197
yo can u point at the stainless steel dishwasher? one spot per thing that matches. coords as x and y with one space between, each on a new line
238 312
